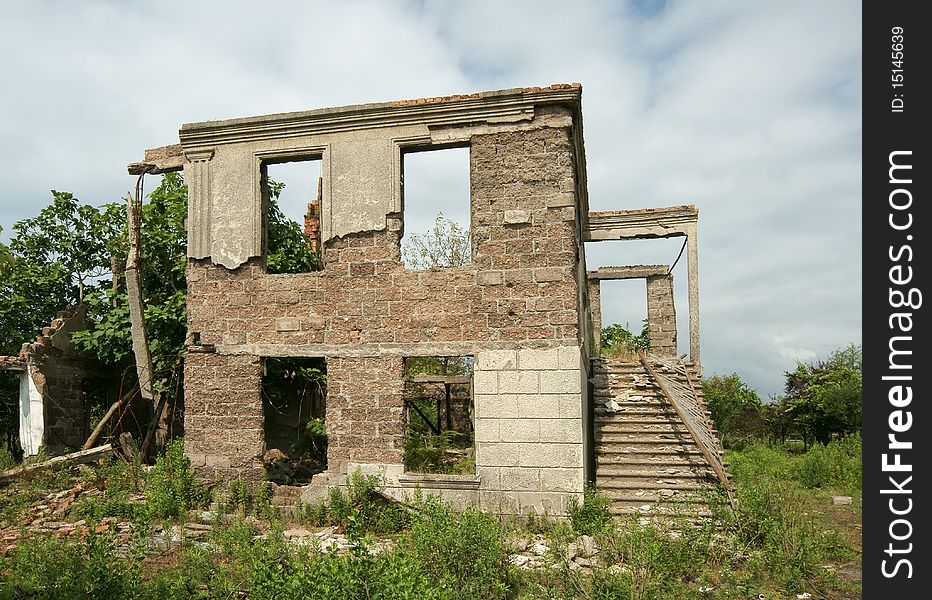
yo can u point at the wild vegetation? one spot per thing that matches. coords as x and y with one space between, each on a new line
785 538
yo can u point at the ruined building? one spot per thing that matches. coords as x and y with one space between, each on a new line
548 416
52 412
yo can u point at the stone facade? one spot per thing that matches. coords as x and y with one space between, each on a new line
661 315
520 307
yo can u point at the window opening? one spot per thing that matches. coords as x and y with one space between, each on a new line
292 193
435 191
294 398
439 431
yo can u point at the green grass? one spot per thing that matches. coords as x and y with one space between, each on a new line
777 543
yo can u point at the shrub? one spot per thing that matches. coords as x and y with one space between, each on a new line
838 463
466 550
592 516
357 508
171 487
56 569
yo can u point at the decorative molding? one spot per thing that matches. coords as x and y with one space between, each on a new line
197 178
499 106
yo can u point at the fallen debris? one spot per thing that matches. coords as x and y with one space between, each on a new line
79 457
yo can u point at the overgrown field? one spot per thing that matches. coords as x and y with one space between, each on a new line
123 531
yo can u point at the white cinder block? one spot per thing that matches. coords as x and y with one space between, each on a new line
537 407
570 357
519 430
496 406
539 359
485 382
487 430
518 382
561 480
563 431
550 455
560 382
496 360
520 479
571 406
497 455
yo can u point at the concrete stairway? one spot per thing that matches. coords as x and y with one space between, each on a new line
644 453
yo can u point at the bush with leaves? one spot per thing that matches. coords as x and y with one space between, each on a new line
735 408
464 550
592 515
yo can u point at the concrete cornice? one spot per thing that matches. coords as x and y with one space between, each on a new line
628 272
642 223
497 106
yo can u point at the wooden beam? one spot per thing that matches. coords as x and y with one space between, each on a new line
106 418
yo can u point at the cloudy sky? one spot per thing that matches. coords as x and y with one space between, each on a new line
749 110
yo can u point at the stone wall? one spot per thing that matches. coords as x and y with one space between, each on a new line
364 312
661 315
52 410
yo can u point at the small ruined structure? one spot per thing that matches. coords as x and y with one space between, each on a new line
523 311
51 400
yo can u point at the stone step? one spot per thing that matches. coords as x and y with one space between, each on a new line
656 472
646 440
647 486
639 426
649 455
647 510
631 497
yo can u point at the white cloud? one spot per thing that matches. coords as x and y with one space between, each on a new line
749 110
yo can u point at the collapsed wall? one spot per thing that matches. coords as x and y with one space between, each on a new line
51 398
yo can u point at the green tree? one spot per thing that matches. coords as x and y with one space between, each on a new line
735 407
289 248
618 341
66 254
60 257
447 244
6 257
850 356
824 400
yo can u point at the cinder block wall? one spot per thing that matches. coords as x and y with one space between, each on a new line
364 312
529 429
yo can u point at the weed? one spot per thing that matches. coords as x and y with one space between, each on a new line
54 569
357 508
171 487
466 550
837 463
592 515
